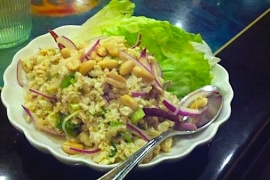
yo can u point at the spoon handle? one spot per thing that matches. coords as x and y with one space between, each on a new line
120 171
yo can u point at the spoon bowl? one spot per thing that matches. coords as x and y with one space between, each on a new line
214 107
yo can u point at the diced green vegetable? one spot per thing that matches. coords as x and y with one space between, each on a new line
72 129
100 113
60 121
137 116
72 80
75 107
127 136
68 80
113 150
115 123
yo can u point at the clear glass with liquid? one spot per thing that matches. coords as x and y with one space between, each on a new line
15 22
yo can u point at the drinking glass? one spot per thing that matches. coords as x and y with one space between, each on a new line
15 22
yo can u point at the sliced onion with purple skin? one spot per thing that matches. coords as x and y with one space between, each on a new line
21 76
53 34
66 42
85 151
50 97
138 131
155 68
127 56
106 98
186 101
179 124
43 128
62 41
144 60
181 110
152 67
161 113
60 46
29 113
91 48
169 106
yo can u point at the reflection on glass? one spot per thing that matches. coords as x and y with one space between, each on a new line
62 7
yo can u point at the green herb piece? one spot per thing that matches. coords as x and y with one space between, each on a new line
68 80
113 150
72 129
60 121
137 116
127 137
100 113
75 107
115 123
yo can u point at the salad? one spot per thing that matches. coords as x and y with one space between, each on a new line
115 84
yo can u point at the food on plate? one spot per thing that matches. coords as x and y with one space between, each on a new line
111 87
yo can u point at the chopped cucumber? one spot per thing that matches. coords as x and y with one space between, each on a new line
137 116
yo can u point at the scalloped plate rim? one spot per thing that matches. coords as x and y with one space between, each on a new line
16 118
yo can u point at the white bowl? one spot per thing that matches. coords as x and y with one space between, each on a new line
12 98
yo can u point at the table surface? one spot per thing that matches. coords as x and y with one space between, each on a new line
239 33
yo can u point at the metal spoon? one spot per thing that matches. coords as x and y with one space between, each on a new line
214 106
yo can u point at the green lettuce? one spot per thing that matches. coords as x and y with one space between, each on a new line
181 64
110 15
185 67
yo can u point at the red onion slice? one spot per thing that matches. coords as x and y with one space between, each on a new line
169 106
21 75
127 56
186 101
181 110
53 34
65 42
62 41
91 48
144 60
51 97
155 68
106 98
152 67
60 46
138 131
43 128
29 113
85 151
161 113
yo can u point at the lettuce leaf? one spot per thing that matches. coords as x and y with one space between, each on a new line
181 63
186 73
159 37
184 66
110 15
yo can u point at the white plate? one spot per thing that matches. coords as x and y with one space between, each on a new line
12 98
